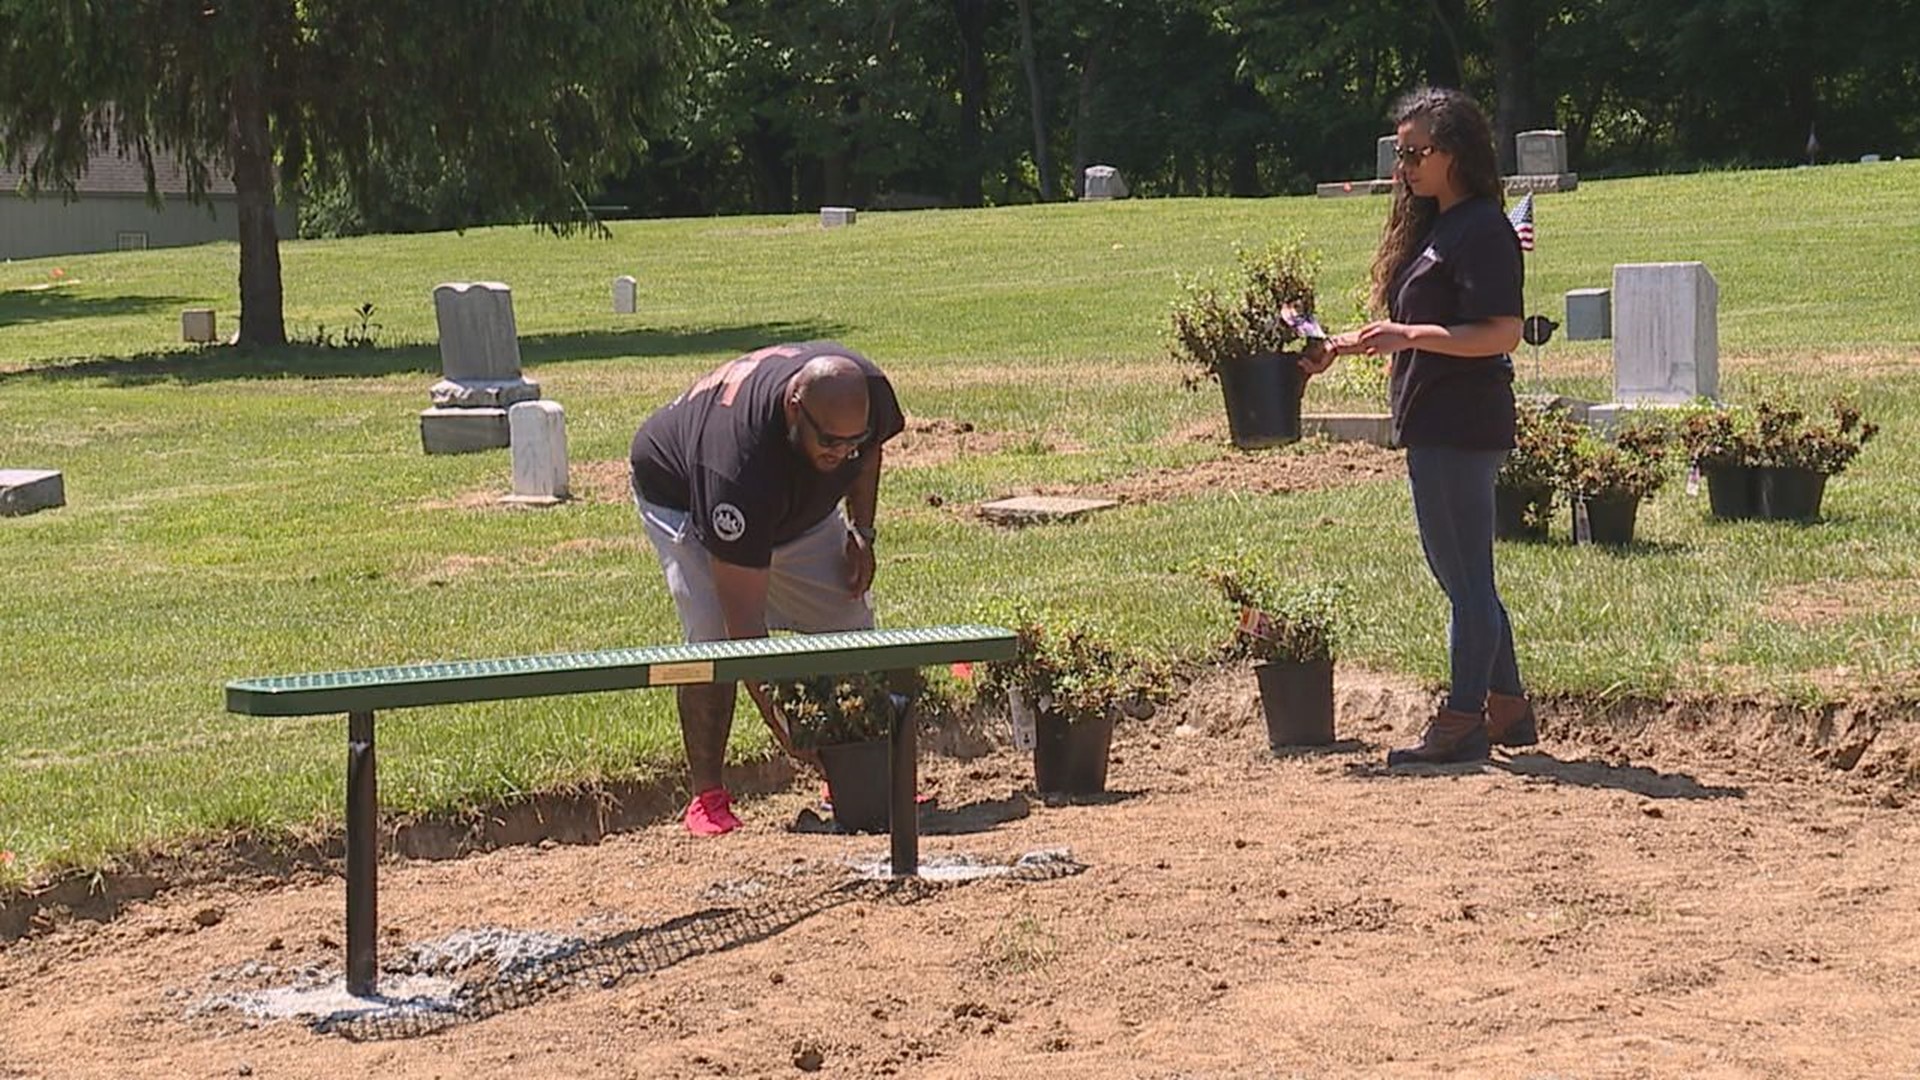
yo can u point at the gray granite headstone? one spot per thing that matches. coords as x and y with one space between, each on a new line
1666 337
479 348
625 295
1383 156
1589 314
24 491
836 216
1103 182
539 430
197 326
1540 153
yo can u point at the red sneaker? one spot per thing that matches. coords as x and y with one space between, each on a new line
710 813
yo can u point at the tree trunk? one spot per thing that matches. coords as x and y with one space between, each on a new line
1444 65
972 17
1516 37
262 306
1036 100
1083 115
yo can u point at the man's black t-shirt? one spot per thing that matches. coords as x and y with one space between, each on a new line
1468 271
722 452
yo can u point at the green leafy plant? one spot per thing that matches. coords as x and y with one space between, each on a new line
1544 437
1277 621
829 710
1630 465
1770 434
1066 666
1215 323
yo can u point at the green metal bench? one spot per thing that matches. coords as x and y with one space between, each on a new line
359 694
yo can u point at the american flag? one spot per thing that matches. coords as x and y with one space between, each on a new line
1522 219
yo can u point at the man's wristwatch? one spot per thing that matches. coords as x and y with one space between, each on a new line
864 532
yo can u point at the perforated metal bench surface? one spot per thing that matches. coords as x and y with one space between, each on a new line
411 685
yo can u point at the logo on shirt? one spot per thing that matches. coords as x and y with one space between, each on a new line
729 523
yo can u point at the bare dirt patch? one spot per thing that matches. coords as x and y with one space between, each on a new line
1825 602
1654 891
937 440
1312 467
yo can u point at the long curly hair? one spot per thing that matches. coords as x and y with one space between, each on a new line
1456 124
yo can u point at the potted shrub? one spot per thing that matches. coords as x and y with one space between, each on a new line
1719 443
1794 457
1523 492
848 721
1070 681
1290 634
1771 461
1607 478
1248 335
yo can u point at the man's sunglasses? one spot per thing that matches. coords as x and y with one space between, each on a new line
1412 155
826 441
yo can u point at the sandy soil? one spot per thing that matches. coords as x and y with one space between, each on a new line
1679 892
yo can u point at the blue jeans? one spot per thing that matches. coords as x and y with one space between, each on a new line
1453 505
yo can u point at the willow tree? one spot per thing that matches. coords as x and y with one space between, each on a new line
529 103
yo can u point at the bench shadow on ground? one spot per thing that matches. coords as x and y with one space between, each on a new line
235 363
1586 773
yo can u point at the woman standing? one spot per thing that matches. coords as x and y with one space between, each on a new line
1448 277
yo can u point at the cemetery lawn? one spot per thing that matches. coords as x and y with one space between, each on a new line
234 515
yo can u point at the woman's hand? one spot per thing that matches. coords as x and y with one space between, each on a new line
1383 337
1317 356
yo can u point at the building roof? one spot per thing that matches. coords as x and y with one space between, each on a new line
109 172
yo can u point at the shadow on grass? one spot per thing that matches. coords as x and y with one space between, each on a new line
1599 774
224 363
34 305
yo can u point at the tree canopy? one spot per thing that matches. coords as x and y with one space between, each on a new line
507 108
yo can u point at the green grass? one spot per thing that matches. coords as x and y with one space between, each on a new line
235 515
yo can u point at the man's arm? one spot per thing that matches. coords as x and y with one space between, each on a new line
863 502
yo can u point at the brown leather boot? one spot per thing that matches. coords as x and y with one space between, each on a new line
1510 720
1451 736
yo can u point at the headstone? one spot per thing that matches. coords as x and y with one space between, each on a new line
834 216
197 326
479 347
1589 314
1103 182
1540 153
539 431
626 295
1868 159
452 430
25 491
1040 509
1383 156
1666 337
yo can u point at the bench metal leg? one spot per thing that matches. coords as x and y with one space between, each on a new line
904 814
363 851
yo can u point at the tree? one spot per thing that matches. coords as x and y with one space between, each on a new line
527 104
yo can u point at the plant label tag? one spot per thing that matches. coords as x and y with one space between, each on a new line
1582 530
1693 480
1020 711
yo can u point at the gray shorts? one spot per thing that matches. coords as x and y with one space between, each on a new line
806 587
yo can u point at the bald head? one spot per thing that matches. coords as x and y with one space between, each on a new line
834 391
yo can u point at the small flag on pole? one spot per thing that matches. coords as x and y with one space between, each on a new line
1522 219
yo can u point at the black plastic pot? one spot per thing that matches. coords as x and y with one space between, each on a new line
1610 520
1521 513
1731 491
1070 757
1263 399
1298 700
1789 494
859 782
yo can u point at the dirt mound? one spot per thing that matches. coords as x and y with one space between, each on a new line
937 440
